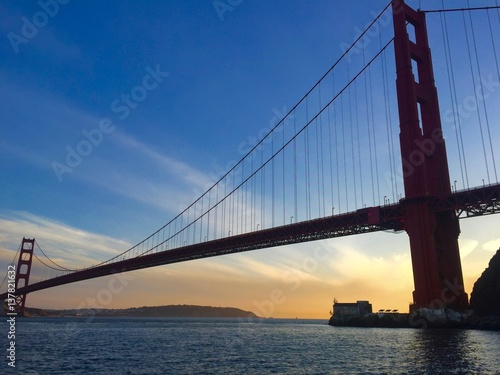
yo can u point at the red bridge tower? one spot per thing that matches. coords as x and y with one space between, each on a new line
437 270
22 275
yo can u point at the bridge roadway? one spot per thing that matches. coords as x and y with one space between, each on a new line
467 203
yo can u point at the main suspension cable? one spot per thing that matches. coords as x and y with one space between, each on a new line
258 144
61 268
459 9
13 260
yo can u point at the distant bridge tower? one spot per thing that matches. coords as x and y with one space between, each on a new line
437 270
23 273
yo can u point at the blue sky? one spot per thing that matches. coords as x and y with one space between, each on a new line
219 76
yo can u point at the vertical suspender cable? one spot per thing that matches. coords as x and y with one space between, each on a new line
208 215
330 150
369 130
231 217
352 137
330 153
321 155
356 112
344 152
454 100
317 127
284 182
217 210
493 44
337 153
273 197
252 197
488 128
392 138
373 132
475 94
263 192
307 166
201 216
295 192
388 123
242 209
497 66
223 226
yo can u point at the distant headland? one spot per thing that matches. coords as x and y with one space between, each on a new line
170 311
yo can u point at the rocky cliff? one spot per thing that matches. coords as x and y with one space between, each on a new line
485 296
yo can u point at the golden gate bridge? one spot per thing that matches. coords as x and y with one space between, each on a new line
332 166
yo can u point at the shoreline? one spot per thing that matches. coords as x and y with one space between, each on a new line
166 311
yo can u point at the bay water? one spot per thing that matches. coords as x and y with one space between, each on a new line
79 345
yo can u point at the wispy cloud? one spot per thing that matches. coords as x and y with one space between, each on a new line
44 39
467 246
140 173
391 272
492 245
39 118
51 44
179 169
23 154
122 163
71 246
8 19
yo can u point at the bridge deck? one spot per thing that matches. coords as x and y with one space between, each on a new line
468 203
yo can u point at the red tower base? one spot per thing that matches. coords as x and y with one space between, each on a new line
437 270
